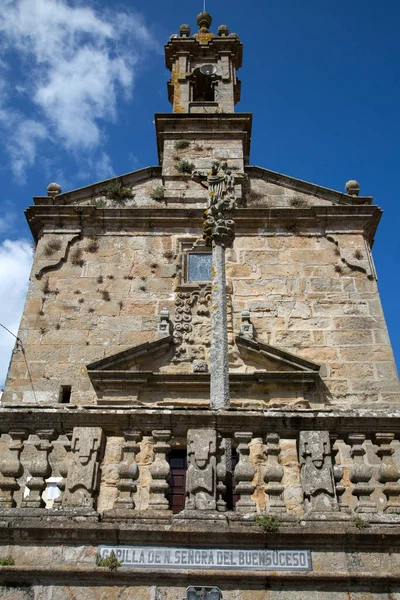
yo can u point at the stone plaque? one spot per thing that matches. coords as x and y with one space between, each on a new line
163 557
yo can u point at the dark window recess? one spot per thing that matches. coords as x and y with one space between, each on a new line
199 267
65 394
203 87
177 483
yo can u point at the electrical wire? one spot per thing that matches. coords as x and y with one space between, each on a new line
20 345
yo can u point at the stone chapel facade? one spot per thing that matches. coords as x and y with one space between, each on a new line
203 382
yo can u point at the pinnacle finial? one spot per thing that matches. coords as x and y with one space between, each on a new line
352 187
204 20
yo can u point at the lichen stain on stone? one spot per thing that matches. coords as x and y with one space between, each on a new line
177 106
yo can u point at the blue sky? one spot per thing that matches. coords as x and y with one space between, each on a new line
80 82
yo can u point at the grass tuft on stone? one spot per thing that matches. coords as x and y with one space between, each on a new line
158 193
361 524
51 246
116 190
185 167
181 144
110 562
268 523
76 258
8 561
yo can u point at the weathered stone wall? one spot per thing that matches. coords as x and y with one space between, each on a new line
276 591
310 293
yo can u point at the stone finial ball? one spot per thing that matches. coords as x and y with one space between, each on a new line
53 189
204 19
184 30
353 187
223 30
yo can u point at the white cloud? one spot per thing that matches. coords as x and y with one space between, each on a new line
15 266
76 63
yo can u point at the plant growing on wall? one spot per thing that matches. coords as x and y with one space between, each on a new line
116 190
110 562
158 193
8 561
268 523
185 167
51 246
181 144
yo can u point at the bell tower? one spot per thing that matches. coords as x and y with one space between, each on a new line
202 128
203 68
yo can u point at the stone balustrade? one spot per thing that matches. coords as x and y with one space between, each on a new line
289 473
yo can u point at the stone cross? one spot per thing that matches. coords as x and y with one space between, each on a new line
219 233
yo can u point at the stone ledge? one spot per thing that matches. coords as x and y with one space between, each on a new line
57 573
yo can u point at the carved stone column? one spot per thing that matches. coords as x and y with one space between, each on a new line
128 470
160 471
388 472
273 475
65 443
361 475
244 474
83 478
338 476
11 468
201 476
317 473
39 468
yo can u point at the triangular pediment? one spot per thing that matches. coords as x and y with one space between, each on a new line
152 365
272 359
144 357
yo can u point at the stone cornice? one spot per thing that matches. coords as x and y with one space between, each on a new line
179 45
215 125
113 420
334 218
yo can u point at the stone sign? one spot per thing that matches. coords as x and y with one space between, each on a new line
162 557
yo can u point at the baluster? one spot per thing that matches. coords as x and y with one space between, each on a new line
160 471
273 475
128 470
39 468
11 468
65 443
222 472
360 475
388 472
244 474
338 475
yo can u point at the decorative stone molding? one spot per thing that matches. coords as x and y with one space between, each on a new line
246 328
389 472
39 468
84 469
192 319
160 471
361 475
11 468
244 473
317 472
273 475
65 443
128 469
338 476
201 476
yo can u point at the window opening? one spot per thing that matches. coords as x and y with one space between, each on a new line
203 87
65 394
199 267
177 482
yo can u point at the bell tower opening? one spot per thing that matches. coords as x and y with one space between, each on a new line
204 82
203 68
